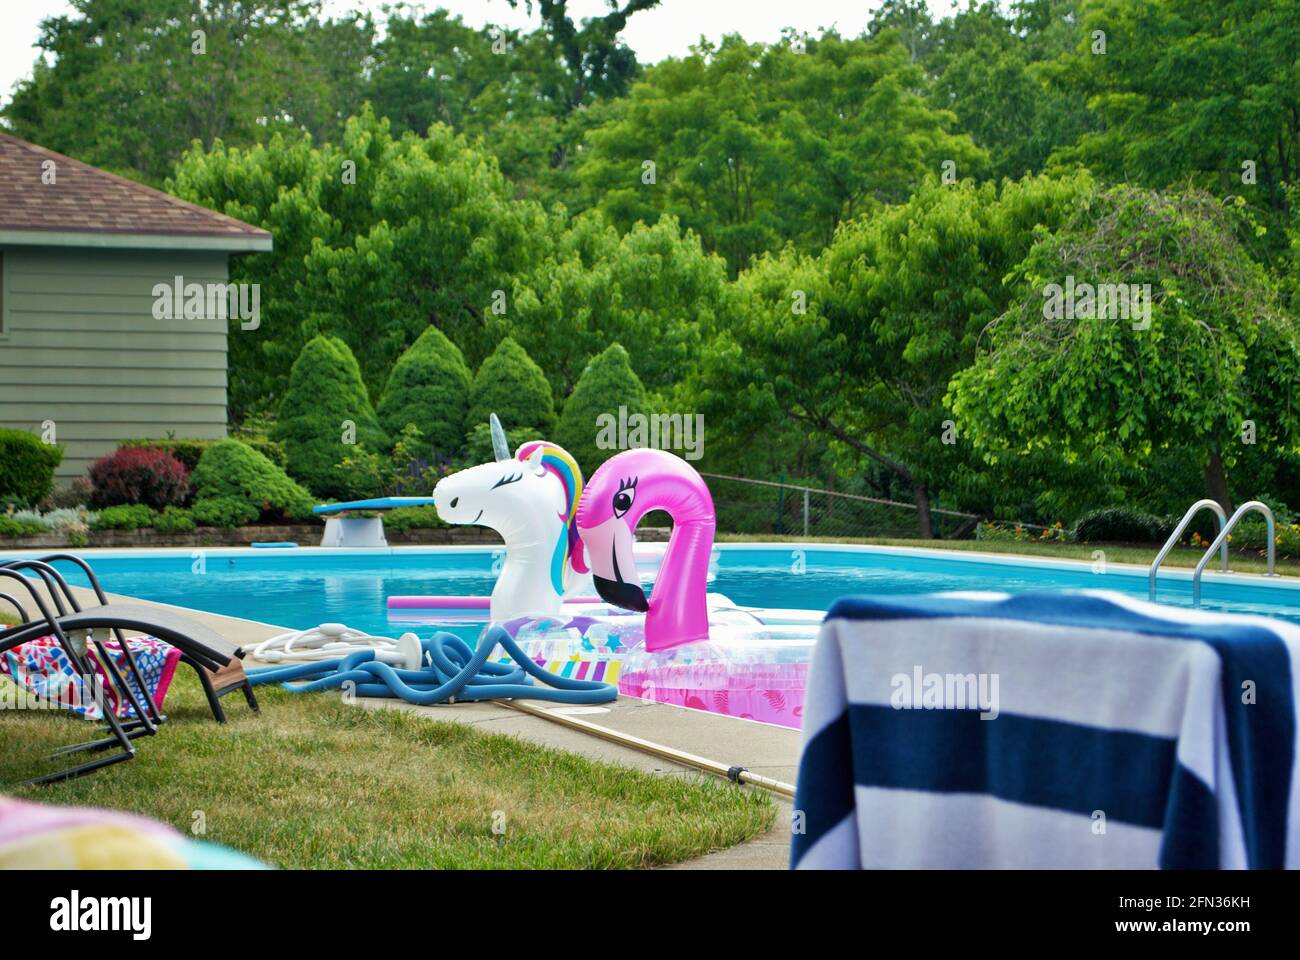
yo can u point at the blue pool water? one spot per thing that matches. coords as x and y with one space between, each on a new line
302 588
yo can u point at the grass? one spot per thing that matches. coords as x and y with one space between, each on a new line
315 783
1240 561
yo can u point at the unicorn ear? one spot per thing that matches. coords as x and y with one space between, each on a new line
500 446
534 461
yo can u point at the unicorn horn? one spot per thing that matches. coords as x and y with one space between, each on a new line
500 445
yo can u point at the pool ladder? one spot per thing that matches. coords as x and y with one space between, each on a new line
1226 525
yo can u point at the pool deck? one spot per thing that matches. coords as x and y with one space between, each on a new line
760 748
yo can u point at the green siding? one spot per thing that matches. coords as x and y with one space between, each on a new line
81 347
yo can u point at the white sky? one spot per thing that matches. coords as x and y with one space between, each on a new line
667 30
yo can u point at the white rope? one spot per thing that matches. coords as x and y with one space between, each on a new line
331 640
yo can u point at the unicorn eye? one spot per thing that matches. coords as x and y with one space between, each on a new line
508 479
624 497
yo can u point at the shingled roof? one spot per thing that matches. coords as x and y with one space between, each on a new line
87 206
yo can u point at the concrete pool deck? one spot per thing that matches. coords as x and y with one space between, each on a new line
760 748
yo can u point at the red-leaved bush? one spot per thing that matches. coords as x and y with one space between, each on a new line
139 475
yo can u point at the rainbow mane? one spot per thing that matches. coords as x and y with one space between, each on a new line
561 463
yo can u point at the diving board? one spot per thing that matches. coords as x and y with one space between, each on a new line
361 531
378 503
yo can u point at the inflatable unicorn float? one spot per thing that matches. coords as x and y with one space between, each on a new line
565 539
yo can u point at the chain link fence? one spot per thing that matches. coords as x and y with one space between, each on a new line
783 509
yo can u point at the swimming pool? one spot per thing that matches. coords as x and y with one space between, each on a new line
299 588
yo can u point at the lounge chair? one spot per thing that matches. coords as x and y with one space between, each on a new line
215 660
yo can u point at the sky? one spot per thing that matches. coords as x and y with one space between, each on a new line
667 30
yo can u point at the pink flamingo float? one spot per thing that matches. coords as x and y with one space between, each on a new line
620 493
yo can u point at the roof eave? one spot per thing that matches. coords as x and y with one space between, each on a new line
252 243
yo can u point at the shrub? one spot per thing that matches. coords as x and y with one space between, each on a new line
232 470
1120 525
144 475
75 494
10 527
510 385
224 512
188 450
125 516
412 518
429 387
607 383
27 465
174 520
403 472
325 391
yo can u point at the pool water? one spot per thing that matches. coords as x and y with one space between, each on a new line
300 588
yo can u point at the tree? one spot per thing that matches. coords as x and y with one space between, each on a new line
429 387
755 145
992 71
299 192
1217 351
859 344
326 413
510 385
1191 89
607 388
127 85
375 239
445 245
653 289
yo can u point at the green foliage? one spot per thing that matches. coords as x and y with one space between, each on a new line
188 450
510 385
1121 525
10 527
225 512
429 387
248 486
325 416
405 471
607 384
413 518
174 520
1216 353
1190 91
754 144
27 465
445 239
653 289
126 516
121 86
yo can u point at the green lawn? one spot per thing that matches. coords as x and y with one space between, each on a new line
1115 552
315 783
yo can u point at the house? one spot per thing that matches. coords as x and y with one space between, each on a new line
100 339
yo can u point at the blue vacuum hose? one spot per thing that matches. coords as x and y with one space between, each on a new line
453 671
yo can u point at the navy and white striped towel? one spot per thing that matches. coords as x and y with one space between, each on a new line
1116 733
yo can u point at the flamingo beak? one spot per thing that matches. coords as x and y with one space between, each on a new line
613 569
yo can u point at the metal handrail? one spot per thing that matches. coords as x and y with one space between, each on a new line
1192 511
1222 540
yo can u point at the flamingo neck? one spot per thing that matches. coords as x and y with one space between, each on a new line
679 610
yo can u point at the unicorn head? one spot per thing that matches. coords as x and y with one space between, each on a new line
531 499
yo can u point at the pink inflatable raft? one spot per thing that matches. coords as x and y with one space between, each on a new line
563 541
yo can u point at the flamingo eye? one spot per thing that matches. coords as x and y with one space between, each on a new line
624 497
